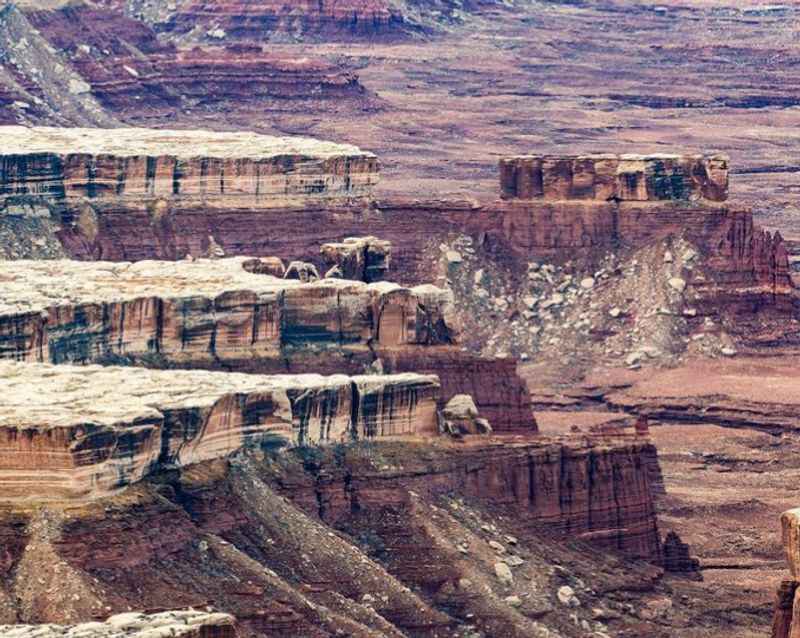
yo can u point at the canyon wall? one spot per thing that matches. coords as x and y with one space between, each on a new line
223 315
67 436
136 75
210 312
589 209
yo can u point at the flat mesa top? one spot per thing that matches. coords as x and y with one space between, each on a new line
45 395
34 286
138 142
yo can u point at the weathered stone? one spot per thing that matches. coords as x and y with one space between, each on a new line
566 596
302 271
677 284
64 167
503 573
203 311
85 431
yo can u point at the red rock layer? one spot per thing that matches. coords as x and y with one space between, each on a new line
499 392
749 267
252 19
597 494
134 74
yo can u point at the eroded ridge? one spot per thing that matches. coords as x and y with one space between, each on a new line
44 168
615 177
85 431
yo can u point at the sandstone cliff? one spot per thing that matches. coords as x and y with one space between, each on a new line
82 432
615 177
420 528
60 169
786 619
223 314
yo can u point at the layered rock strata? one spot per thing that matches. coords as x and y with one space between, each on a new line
225 314
598 493
209 311
255 21
70 170
82 432
136 75
175 624
615 177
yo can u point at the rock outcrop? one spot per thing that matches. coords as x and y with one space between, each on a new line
208 311
359 258
460 416
176 624
615 177
71 171
83 432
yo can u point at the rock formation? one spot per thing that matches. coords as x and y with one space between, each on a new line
360 258
175 624
615 177
223 314
65 169
460 417
208 310
77 432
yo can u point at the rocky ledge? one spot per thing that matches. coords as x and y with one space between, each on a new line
172 624
45 169
224 315
66 435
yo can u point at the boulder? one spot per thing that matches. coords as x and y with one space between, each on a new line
460 416
359 258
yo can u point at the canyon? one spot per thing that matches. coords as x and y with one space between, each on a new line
573 414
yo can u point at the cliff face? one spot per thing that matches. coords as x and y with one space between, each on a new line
615 177
254 21
255 537
222 314
615 203
58 169
71 438
599 494
210 312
